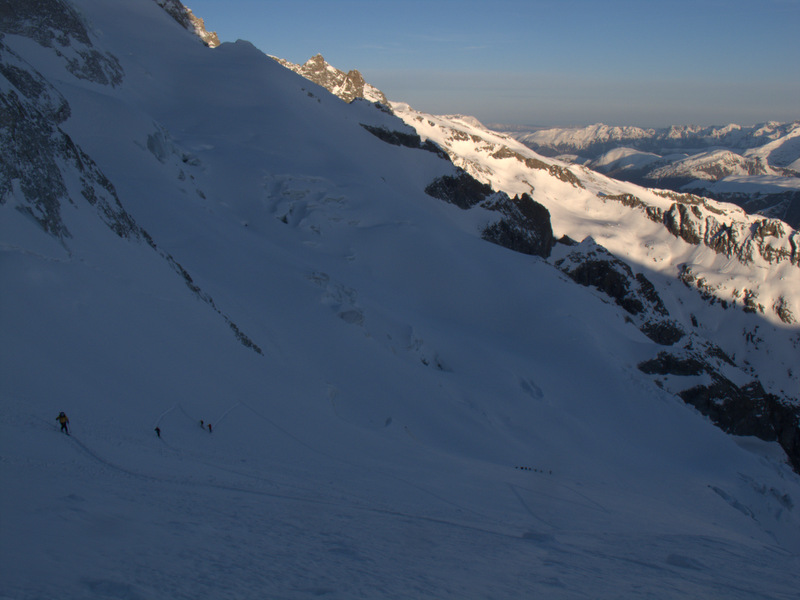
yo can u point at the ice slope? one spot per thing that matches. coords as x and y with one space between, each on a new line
408 369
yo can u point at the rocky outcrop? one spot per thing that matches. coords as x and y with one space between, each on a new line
696 221
557 171
405 139
347 86
745 410
525 226
683 221
461 189
55 25
591 265
188 20
36 153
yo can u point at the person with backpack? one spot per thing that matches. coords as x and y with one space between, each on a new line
64 420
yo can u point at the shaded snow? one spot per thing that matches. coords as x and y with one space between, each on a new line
409 369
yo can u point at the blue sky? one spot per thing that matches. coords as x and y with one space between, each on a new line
546 62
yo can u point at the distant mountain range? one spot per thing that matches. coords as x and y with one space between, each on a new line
756 167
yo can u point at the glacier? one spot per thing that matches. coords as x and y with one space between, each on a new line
400 408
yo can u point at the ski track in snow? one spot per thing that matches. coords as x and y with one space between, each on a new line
335 532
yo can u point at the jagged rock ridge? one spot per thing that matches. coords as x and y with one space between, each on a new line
347 86
188 20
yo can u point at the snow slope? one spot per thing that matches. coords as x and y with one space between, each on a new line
585 204
624 158
418 413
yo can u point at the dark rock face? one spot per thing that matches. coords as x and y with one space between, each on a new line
36 151
525 226
21 134
740 410
665 333
679 222
407 140
54 24
592 265
462 189
45 21
610 276
668 364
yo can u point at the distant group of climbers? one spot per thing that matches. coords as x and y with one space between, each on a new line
203 425
64 420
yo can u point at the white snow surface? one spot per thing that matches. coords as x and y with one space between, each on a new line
409 369
624 158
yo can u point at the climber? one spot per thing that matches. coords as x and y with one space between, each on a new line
62 418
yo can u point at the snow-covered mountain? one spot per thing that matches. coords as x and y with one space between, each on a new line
675 263
598 138
415 391
755 167
725 257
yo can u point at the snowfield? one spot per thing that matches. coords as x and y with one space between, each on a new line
400 409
